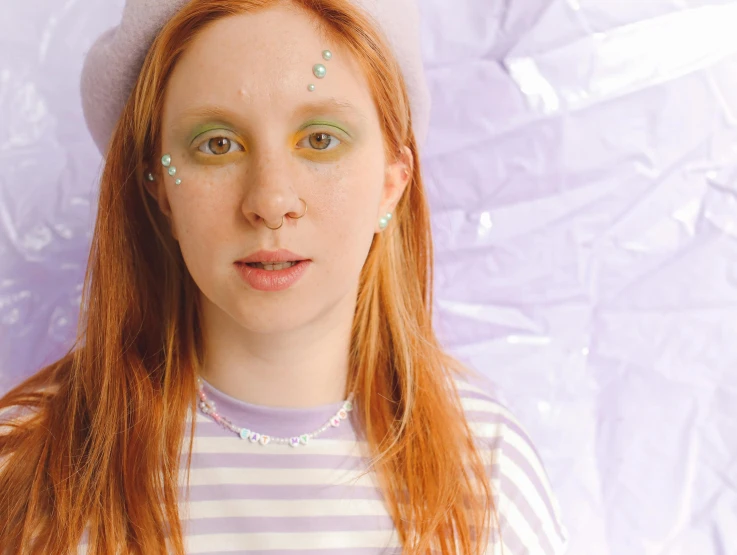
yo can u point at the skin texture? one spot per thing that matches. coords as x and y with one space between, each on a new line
248 164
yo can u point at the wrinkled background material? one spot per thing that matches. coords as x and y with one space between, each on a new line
582 168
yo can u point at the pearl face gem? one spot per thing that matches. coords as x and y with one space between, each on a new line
178 182
310 87
327 55
172 171
166 160
150 177
319 70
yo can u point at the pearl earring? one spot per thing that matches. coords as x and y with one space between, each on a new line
384 220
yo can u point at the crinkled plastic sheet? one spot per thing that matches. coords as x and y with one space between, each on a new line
582 169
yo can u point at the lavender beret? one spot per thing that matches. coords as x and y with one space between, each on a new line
112 65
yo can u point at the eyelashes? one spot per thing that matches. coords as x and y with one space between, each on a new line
214 146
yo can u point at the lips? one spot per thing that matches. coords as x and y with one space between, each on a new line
263 265
272 280
272 257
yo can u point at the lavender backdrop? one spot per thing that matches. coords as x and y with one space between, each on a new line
582 166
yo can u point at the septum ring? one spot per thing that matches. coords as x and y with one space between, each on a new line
293 217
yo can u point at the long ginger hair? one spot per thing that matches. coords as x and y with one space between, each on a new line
103 428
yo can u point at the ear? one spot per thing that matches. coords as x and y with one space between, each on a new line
398 176
157 190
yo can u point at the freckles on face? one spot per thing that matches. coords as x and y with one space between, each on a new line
243 129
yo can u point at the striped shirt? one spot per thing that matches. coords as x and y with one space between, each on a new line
277 499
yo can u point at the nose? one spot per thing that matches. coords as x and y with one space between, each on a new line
269 191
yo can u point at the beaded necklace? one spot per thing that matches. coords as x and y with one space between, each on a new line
207 406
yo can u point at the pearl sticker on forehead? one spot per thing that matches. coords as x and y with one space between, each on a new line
319 70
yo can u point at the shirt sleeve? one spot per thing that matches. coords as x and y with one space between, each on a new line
527 511
529 515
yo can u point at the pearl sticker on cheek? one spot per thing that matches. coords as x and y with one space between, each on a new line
166 162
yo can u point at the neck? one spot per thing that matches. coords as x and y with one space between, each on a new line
300 367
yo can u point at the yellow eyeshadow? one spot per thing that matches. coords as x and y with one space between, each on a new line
216 159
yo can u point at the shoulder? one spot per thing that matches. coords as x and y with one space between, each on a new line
528 510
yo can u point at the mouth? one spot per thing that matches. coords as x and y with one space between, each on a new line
271 267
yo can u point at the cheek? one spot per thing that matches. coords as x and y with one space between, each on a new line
200 215
350 197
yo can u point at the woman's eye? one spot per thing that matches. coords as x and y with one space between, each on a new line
219 146
321 141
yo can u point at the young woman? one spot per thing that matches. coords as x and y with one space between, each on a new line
256 368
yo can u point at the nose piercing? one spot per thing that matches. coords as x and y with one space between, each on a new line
275 228
293 217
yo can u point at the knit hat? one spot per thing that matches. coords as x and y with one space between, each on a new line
113 63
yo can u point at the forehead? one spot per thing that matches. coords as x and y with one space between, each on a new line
262 62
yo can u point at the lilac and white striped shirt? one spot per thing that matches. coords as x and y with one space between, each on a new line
277 499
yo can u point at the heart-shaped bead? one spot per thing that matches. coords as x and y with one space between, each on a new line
303 439
264 440
335 421
342 414
294 441
254 437
244 433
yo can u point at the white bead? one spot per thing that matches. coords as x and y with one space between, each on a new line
319 70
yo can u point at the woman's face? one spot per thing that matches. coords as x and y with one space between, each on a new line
248 140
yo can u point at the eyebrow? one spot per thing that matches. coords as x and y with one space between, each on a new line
326 105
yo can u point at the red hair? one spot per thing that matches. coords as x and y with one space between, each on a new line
100 446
